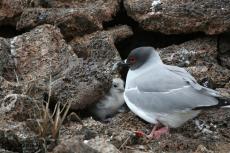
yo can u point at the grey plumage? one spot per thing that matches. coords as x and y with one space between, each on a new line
112 101
162 93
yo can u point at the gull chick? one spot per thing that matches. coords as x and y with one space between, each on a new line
164 95
112 101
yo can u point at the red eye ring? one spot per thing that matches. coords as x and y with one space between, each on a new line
132 59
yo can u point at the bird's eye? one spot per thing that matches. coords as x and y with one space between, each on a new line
114 85
132 59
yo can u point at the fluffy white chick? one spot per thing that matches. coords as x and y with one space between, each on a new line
112 101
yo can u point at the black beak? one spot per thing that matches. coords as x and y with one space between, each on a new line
120 65
123 64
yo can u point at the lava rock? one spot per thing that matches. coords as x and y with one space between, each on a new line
19 107
4 55
213 71
6 151
42 60
10 10
102 146
71 21
176 16
78 19
73 145
203 149
224 91
39 52
37 56
101 10
191 53
17 137
16 109
100 46
7 88
87 81
225 60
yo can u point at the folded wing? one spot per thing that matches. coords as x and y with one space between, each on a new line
185 98
170 89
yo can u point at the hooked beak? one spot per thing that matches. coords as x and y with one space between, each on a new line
121 64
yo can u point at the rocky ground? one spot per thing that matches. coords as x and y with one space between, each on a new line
57 57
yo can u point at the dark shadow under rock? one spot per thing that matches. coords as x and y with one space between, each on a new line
224 49
142 38
224 43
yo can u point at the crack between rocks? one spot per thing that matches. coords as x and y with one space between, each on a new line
142 37
9 31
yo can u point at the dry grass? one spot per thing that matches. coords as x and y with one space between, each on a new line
50 123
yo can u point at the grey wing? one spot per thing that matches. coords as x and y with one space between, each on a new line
158 79
167 77
185 98
184 74
169 89
191 80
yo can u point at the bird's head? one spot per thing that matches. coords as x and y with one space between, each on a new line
118 85
139 57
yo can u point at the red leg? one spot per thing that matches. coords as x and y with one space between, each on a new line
155 127
157 132
161 131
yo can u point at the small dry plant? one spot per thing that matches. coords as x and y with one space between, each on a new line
50 123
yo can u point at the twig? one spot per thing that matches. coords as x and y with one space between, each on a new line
124 143
66 111
16 77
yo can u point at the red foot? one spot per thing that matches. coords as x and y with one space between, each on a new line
157 134
160 132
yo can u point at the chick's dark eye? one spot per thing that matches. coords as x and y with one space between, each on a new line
115 85
132 59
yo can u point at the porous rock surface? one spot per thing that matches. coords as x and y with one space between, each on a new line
180 16
10 10
87 82
41 59
16 109
73 145
42 54
74 18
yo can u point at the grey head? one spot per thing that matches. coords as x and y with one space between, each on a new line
140 56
